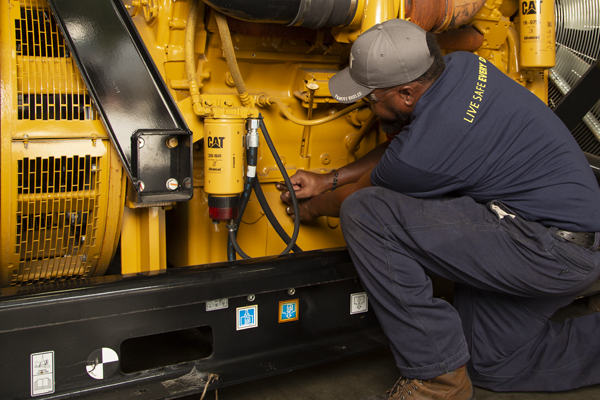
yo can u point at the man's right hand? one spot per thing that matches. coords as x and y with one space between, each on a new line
308 184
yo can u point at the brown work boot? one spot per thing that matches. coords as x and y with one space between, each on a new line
454 385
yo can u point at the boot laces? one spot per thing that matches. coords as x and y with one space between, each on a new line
403 387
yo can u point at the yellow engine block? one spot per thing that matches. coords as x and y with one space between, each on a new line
65 205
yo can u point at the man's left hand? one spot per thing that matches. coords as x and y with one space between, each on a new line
303 205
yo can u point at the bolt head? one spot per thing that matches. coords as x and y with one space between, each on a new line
172 142
172 184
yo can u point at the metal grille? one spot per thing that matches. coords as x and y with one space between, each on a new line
586 132
577 43
577 48
49 86
57 217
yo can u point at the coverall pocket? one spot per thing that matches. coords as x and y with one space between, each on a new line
571 258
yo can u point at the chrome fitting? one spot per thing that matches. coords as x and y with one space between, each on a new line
252 138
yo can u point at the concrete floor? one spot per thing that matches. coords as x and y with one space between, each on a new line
357 377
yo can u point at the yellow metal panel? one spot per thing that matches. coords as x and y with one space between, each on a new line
192 238
143 244
8 12
91 129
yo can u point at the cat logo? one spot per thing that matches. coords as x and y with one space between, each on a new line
531 7
215 142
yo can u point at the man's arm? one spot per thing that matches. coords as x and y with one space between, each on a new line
308 184
329 203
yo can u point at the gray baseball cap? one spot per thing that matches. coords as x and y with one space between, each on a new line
388 54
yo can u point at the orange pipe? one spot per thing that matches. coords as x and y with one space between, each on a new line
438 15
465 38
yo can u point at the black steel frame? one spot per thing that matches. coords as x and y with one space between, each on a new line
103 312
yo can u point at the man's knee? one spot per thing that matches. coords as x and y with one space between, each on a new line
357 206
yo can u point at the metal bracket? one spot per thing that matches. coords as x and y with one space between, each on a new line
160 162
130 95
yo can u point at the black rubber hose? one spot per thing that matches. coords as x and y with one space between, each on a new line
291 242
252 157
274 11
288 183
236 246
307 13
244 202
271 217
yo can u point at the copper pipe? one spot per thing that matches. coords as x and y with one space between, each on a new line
465 38
438 15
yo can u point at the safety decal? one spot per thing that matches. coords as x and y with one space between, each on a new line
102 363
218 304
288 310
42 373
246 317
359 303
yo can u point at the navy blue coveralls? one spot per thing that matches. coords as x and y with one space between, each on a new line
474 190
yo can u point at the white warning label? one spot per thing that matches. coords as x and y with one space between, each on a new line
359 303
218 304
42 373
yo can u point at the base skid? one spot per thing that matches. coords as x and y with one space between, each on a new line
166 336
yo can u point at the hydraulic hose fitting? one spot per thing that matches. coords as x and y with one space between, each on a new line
252 142
252 136
231 226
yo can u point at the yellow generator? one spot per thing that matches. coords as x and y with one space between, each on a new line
144 244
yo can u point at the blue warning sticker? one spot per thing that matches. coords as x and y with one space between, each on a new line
246 317
288 310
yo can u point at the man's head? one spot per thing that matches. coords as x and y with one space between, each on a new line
391 66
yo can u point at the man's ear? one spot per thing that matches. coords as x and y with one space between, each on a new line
407 94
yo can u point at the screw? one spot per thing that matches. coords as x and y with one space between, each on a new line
141 142
251 297
325 158
291 291
141 185
187 183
